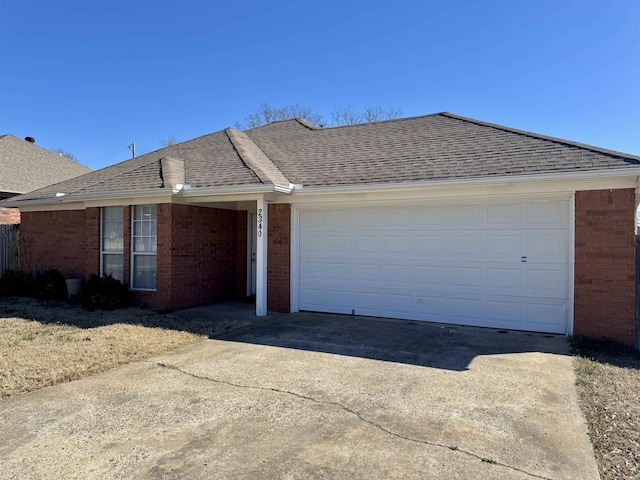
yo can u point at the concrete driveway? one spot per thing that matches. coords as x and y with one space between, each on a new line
314 396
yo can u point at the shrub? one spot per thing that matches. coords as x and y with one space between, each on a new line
51 285
104 293
17 283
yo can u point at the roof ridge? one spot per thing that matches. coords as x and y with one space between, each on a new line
541 136
390 120
255 158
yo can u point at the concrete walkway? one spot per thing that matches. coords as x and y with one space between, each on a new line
314 396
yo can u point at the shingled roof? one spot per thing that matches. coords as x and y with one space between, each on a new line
25 167
434 147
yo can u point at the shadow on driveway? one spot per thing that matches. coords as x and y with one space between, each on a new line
450 347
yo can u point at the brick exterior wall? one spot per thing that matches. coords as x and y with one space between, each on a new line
605 264
9 216
67 240
279 258
241 254
201 251
197 259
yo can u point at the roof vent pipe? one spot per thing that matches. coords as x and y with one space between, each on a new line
30 139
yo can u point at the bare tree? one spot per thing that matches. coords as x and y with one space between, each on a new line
65 154
267 114
339 115
348 116
168 140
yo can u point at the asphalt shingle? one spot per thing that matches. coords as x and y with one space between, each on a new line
25 166
435 147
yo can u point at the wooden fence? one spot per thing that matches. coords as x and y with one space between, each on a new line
9 235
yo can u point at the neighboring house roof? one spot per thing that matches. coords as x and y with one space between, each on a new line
434 147
25 166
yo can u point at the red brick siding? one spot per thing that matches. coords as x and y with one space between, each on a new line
605 264
9 216
60 239
241 254
203 255
161 298
279 258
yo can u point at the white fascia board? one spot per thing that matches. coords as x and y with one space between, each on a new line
483 187
139 197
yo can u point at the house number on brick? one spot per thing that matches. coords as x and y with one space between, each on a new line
259 222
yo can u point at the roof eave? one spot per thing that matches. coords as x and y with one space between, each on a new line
479 181
157 192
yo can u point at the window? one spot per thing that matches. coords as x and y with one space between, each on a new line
144 247
112 242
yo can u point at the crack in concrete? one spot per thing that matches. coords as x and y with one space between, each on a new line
354 413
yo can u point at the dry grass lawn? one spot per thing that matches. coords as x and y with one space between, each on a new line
608 379
44 343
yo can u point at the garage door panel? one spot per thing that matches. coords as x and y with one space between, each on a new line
397 304
338 299
366 244
466 277
398 217
367 217
312 298
312 218
429 245
467 245
366 273
548 213
429 276
504 279
339 271
550 247
464 308
547 282
497 264
367 303
397 245
466 215
310 270
506 244
338 217
546 316
505 214
430 307
504 311
338 244
430 217
393 273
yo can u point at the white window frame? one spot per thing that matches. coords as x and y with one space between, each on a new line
102 251
134 253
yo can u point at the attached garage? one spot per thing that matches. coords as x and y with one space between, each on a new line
494 264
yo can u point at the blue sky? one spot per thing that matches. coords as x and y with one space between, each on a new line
91 77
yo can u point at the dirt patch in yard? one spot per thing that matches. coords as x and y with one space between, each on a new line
608 379
45 343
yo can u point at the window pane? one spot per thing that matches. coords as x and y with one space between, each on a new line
113 265
112 237
144 272
112 229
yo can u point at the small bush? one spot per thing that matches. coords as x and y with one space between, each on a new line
104 293
51 285
17 283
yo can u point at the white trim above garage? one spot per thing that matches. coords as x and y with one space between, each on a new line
504 263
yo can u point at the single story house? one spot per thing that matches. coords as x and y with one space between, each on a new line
439 217
25 166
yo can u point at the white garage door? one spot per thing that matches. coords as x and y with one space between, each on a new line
496 264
